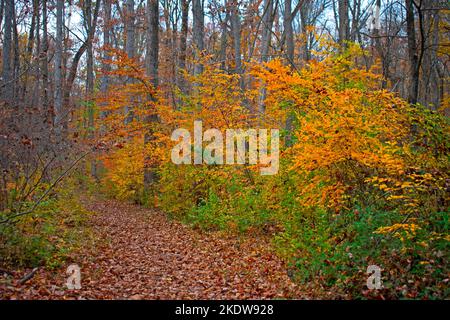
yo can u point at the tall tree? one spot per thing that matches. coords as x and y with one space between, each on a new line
130 43
198 33
288 30
58 99
106 43
30 46
77 57
413 56
16 59
130 28
236 32
183 42
343 21
7 81
90 77
152 71
267 23
44 64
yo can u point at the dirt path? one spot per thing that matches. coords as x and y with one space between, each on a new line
143 255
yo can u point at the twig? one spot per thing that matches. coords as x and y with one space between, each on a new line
47 191
28 276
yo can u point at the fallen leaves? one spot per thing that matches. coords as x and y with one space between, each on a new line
140 254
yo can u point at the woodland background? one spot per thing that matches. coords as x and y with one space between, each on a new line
91 91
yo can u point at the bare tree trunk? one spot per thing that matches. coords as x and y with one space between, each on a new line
7 80
129 46
183 43
412 53
150 176
2 7
90 80
106 43
429 86
130 29
58 67
16 60
377 40
104 80
89 63
236 31
30 45
267 21
198 33
224 40
35 97
44 57
288 30
76 59
343 21
304 20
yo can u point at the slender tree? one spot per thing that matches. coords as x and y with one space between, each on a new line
198 33
7 81
58 99
152 71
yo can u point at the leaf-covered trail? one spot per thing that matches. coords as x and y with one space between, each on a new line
144 255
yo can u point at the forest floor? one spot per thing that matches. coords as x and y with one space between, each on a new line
141 254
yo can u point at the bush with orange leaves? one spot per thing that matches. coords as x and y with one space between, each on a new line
364 180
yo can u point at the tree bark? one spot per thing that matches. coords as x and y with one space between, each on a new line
412 53
7 80
130 29
267 21
58 103
343 21
224 40
76 59
198 33
90 80
30 45
289 30
106 43
236 31
183 37
16 60
44 61
150 176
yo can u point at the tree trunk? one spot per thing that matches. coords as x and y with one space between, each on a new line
236 31
7 80
288 30
304 21
343 21
129 47
412 53
44 57
106 43
183 43
150 176
16 60
224 40
30 45
58 103
130 29
198 33
90 80
76 59
267 21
